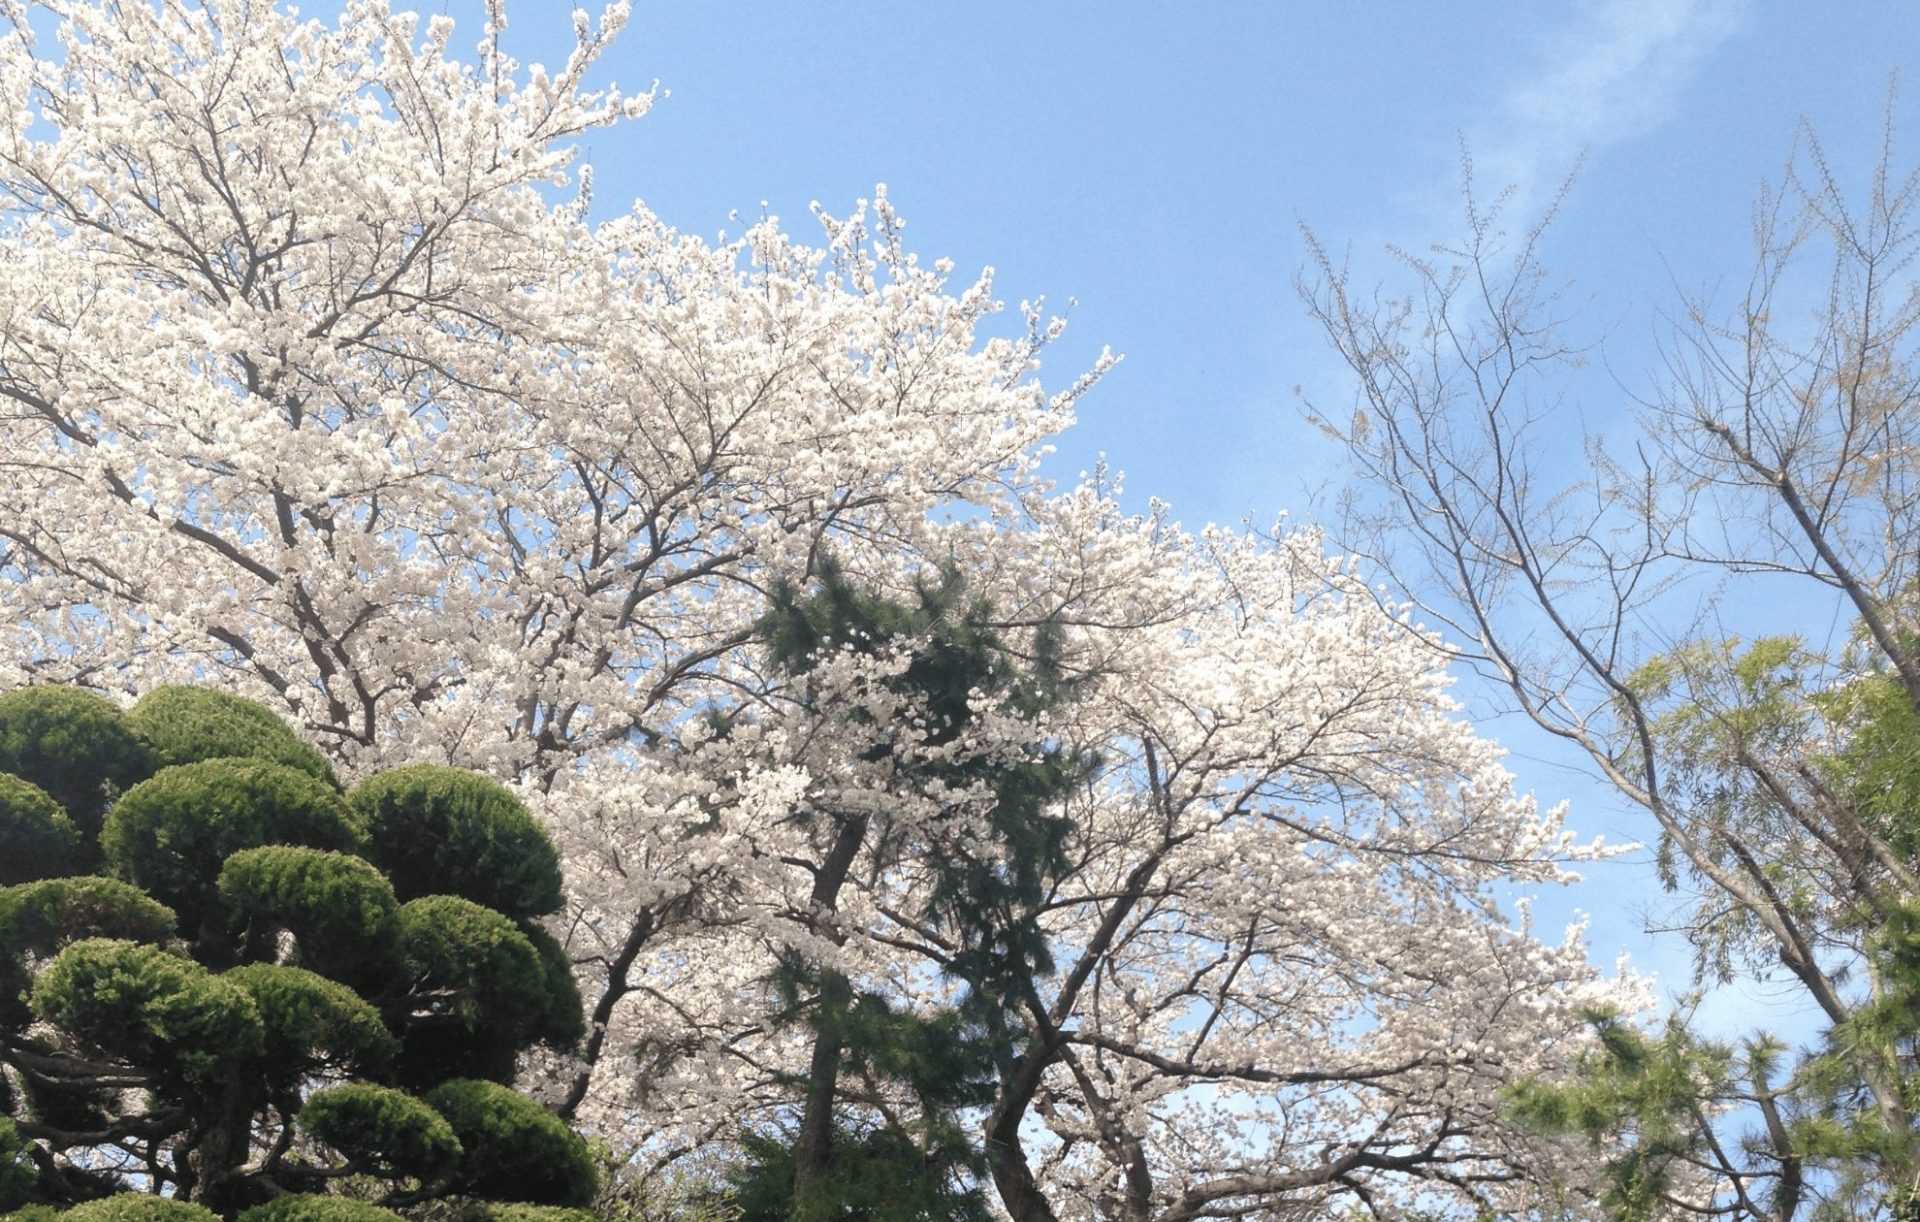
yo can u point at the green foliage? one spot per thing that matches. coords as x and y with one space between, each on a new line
160 1011
340 910
923 1161
184 725
1878 773
383 1132
489 1211
328 978
1719 710
74 745
563 1020
138 1207
877 1174
39 919
170 834
312 1024
305 1207
515 1150
1640 1099
37 840
441 831
490 988
42 917
18 1174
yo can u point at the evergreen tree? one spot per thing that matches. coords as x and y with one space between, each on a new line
845 1156
273 984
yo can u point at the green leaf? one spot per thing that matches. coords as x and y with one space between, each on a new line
73 744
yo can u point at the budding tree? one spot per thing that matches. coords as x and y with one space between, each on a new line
317 383
1720 618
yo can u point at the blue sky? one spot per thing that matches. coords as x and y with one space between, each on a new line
1154 161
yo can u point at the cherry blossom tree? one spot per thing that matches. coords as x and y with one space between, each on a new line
322 382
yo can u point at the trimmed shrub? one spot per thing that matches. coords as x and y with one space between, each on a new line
564 1020
171 833
441 831
515 1150
311 1024
307 1208
161 1012
243 954
138 1207
383 1131
493 989
184 725
41 918
73 744
341 911
17 1172
486 1211
37 840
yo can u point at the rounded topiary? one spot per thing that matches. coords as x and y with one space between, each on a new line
383 1131
73 744
37 840
308 1208
41 918
138 1207
441 831
171 833
341 912
311 1024
564 1019
184 725
514 1149
499 988
159 1011
488 1211
242 954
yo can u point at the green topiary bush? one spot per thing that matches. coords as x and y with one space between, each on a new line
37 840
490 1211
171 834
441 831
42 917
18 1175
147 1007
247 980
498 989
309 1208
514 1149
339 910
184 725
138 1207
383 1132
313 1025
73 744
317 1209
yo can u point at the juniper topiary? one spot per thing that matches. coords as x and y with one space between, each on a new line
246 1009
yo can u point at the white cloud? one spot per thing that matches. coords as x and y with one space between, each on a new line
1611 73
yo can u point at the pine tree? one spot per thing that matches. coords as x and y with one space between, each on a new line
274 983
844 1157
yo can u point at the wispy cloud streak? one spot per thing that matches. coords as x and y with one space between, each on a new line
1612 72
